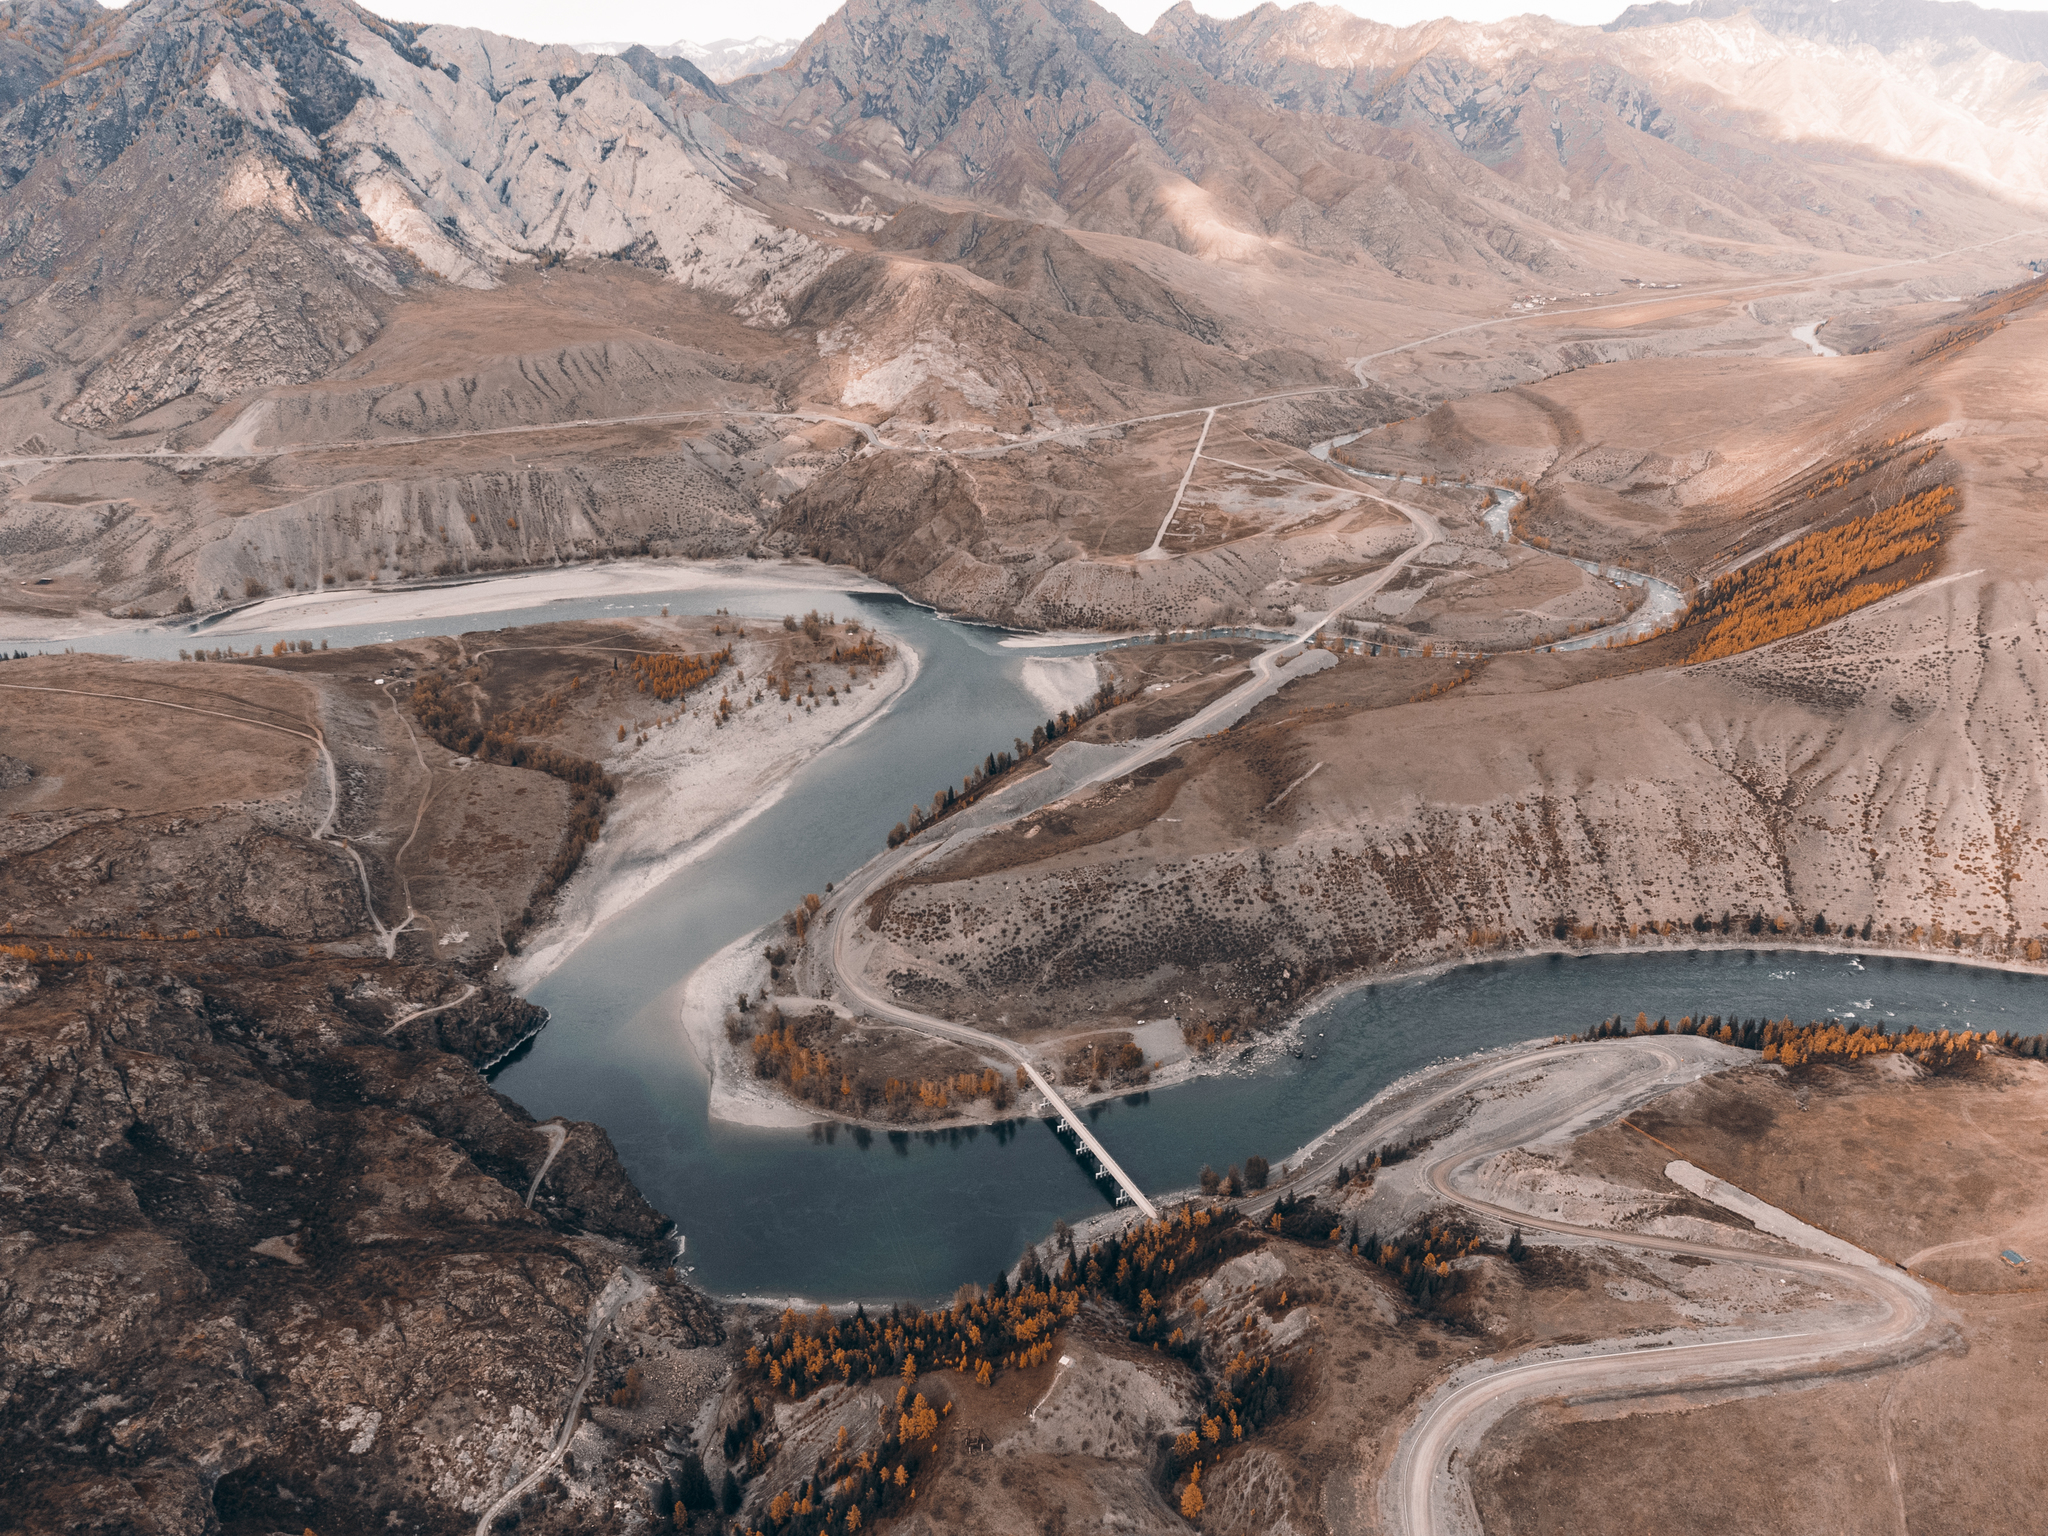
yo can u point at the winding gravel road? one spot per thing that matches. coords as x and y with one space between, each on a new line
428 1012
624 1286
1420 1497
324 833
557 1135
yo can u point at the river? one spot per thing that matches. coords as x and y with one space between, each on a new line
841 1215
837 1215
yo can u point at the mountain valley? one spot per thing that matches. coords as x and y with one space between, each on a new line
1512 500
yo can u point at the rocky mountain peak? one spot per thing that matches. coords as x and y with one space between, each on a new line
208 199
987 94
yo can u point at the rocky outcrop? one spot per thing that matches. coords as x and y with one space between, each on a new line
273 1253
214 872
261 1246
478 168
33 46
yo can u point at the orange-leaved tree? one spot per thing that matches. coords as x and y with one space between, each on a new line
1818 578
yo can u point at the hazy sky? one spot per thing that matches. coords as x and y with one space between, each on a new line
664 21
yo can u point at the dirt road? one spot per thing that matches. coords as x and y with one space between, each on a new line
1421 1496
627 1285
324 833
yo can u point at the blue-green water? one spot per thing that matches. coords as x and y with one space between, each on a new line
841 1216
838 1215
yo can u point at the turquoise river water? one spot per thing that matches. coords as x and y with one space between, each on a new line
836 1215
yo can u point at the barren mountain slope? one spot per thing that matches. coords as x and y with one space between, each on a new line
1313 127
245 222
1740 110
625 300
269 1261
33 44
276 1252
1889 26
1886 770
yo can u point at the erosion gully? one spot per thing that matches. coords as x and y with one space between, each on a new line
837 1214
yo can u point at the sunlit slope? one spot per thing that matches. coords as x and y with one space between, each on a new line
1889 767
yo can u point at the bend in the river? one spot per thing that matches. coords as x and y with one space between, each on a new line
833 1213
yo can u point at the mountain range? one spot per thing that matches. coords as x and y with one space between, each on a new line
246 236
726 59
1614 453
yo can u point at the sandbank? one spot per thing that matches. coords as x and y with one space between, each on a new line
1060 683
1058 638
693 784
532 588
402 603
737 1096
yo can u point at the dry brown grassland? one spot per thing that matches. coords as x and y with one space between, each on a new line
1873 782
471 781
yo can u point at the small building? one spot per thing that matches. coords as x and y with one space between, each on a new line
2014 1257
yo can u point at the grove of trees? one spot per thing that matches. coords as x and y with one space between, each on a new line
797 1054
996 764
668 675
1827 1040
1820 577
983 1333
443 714
1091 1063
